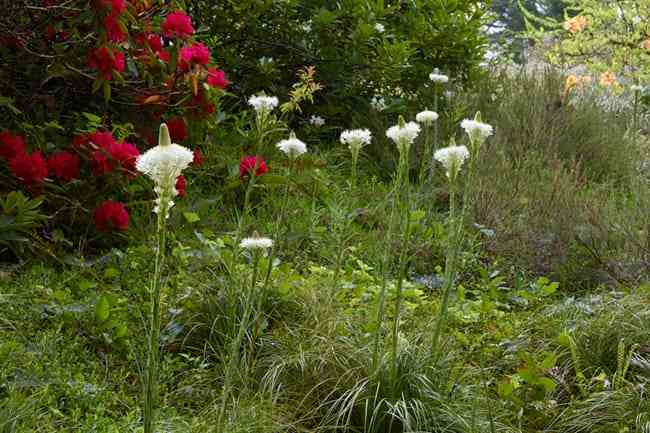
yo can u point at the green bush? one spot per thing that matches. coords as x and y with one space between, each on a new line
265 42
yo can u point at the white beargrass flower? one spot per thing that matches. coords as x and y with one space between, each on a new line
356 137
380 27
403 134
163 164
263 104
452 158
316 121
292 146
477 131
426 117
256 243
378 103
437 77
636 88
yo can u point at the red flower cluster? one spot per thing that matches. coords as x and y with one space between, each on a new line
11 145
247 166
217 78
177 129
177 25
114 28
112 154
116 6
180 186
197 54
64 165
106 61
198 157
31 169
111 215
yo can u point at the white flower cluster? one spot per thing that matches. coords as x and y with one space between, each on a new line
426 117
256 243
163 164
404 135
437 77
380 27
636 88
356 137
452 158
263 104
292 146
378 103
316 121
477 130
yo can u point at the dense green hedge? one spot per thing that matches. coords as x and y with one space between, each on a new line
264 42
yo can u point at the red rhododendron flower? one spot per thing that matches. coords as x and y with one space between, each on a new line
112 154
247 166
11 145
64 165
116 6
198 157
30 169
197 54
180 186
114 30
155 42
111 215
125 154
177 129
217 78
106 60
177 24
102 139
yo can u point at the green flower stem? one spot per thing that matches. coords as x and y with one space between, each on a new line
151 384
278 226
452 252
235 344
432 161
427 157
385 262
403 262
353 173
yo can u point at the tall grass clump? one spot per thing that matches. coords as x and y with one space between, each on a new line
553 183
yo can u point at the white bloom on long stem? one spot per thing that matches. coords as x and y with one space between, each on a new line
477 130
437 77
356 137
263 104
163 164
380 27
403 134
378 103
636 88
452 158
256 243
292 146
426 117
316 121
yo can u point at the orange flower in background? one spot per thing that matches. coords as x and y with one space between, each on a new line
607 79
571 82
575 24
646 44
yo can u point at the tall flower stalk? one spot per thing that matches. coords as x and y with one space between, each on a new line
163 164
438 80
403 134
355 139
292 148
256 245
453 158
428 120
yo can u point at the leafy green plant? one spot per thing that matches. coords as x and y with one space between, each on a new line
19 220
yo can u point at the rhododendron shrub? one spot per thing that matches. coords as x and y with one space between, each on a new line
87 84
